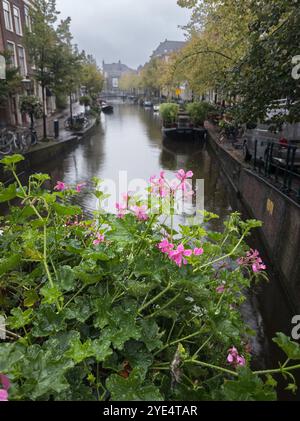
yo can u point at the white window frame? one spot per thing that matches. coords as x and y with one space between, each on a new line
27 17
15 8
15 53
25 63
8 25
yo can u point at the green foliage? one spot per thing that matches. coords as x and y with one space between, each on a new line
119 320
85 100
30 104
198 112
169 112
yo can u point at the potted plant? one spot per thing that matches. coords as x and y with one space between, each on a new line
169 113
198 112
31 105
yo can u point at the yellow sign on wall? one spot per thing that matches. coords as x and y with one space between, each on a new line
178 92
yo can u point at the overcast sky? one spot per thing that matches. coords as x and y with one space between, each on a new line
126 30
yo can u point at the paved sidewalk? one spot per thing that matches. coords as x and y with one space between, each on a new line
61 116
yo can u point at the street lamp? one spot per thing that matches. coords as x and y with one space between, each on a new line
27 85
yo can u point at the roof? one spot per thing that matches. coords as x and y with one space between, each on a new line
168 47
116 67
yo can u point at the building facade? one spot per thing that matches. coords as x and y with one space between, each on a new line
14 17
167 48
112 75
14 20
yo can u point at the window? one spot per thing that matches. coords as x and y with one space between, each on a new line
12 50
22 61
27 17
115 82
7 15
17 19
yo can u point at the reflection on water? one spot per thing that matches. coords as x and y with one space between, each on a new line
131 140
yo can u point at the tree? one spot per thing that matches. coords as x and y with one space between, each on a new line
12 83
67 67
41 42
130 82
91 77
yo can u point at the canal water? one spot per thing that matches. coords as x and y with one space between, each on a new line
130 140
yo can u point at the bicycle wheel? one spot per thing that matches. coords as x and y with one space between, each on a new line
26 141
6 143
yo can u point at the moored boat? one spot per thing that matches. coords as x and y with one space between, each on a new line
183 128
107 108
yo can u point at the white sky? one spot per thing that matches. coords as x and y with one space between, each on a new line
126 30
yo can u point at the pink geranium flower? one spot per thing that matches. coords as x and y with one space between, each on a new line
100 238
4 380
253 260
165 247
140 212
221 289
178 255
121 210
79 187
3 395
234 358
183 177
198 251
60 186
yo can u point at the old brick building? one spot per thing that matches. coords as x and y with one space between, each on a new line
14 19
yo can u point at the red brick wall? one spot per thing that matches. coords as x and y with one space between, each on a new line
11 35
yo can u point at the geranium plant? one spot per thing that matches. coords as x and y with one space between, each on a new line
122 307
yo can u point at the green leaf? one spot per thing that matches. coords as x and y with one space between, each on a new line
9 264
122 326
48 322
291 349
12 160
80 309
151 335
19 318
101 349
7 194
66 278
132 389
79 351
30 298
87 278
51 294
67 210
248 387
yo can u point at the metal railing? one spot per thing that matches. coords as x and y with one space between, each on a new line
281 165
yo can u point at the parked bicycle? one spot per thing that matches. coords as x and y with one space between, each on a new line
20 140
77 122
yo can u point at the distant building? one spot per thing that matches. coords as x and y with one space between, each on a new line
167 48
113 73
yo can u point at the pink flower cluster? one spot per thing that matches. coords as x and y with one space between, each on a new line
4 381
234 358
254 260
60 186
179 254
139 211
161 187
100 238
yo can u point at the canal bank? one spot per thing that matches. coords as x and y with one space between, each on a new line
280 233
49 150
